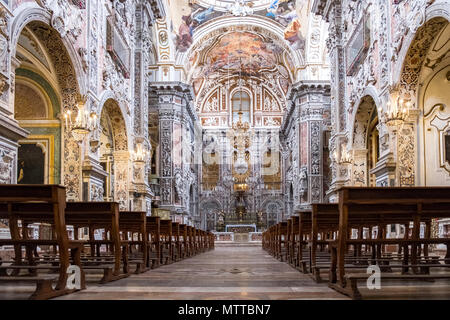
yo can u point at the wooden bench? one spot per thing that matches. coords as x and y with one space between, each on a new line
166 241
22 203
176 244
381 206
136 224
353 279
154 238
184 246
101 215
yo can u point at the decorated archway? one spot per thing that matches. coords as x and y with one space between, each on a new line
114 153
364 145
46 68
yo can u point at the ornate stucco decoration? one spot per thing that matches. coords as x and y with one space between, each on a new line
66 17
6 166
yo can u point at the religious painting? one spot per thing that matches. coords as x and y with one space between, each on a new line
242 53
186 17
31 164
292 15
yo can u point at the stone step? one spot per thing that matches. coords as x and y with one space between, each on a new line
237 244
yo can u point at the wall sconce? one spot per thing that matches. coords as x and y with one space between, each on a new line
139 154
396 113
345 157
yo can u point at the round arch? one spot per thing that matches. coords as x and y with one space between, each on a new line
119 159
106 96
30 12
435 18
369 93
364 149
69 76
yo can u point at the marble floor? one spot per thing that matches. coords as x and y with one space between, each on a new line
228 272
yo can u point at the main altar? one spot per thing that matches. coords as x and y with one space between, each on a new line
241 228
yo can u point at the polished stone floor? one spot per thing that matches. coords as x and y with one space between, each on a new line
229 272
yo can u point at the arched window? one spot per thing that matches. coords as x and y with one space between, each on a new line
241 103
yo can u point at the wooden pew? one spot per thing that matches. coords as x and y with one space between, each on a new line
184 246
37 204
190 241
154 238
282 240
136 224
212 240
101 215
294 242
288 244
388 205
203 245
176 244
195 235
325 220
166 241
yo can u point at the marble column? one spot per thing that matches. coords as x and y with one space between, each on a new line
176 124
303 130
331 11
10 131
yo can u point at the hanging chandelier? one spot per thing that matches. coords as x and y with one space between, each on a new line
345 157
84 122
140 154
397 112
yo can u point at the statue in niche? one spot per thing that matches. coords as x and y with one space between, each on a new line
303 182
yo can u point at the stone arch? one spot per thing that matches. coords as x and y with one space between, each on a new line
407 80
413 55
366 114
369 91
28 13
433 126
60 53
367 105
108 95
120 133
111 115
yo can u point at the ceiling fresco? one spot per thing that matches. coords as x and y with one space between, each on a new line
230 56
188 15
241 53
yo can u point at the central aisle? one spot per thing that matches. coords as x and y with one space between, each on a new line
228 272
